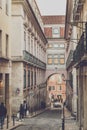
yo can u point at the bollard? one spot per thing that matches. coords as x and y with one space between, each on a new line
13 117
63 124
63 120
7 121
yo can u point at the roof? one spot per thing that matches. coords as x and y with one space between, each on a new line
53 19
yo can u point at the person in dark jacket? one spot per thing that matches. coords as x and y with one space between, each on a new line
25 108
21 111
3 112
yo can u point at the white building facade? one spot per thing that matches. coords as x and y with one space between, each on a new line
28 54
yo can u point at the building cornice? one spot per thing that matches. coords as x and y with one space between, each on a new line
31 15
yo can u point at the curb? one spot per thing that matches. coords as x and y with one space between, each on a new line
37 113
15 126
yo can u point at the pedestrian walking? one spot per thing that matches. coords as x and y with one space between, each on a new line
25 108
3 112
21 111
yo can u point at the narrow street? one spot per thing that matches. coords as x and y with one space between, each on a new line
43 64
49 120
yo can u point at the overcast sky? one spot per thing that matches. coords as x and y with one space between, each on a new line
52 7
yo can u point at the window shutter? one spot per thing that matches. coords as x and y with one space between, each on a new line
48 32
61 31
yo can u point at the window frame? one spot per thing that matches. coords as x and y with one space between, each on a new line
7 7
61 58
0 3
49 57
55 34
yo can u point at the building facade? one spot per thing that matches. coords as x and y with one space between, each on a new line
5 53
79 24
55 52
56 88
54 27
28 53
70 36
80 59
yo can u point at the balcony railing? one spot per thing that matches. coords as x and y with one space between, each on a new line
81 49
27 57
69 59
78 4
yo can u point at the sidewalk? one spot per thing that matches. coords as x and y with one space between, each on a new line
18 123
70 123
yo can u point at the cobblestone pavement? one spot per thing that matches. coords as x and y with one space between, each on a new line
49 120
70 122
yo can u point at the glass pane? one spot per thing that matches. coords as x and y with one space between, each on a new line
55 61
61 61
62 45
49 61
49 45
55 45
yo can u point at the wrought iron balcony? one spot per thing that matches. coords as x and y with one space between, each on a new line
78 5
27 57
69 59
80 54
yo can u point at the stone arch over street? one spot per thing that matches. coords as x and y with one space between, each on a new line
56 88
51 72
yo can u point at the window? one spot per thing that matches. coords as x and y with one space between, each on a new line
35 77
24 14
49 45
7 45
62 58
60 87
0 42
7 6
24 79
49 61
55 59
28 78
25 40
51 88
56 32
31 78
62 45
28 42
35 48
32 45
1 3
55 45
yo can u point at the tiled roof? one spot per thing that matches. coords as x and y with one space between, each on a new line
55 19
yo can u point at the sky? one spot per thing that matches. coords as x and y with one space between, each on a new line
52 7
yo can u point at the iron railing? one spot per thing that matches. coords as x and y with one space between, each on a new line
78 4
33 60
81 49
69 59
